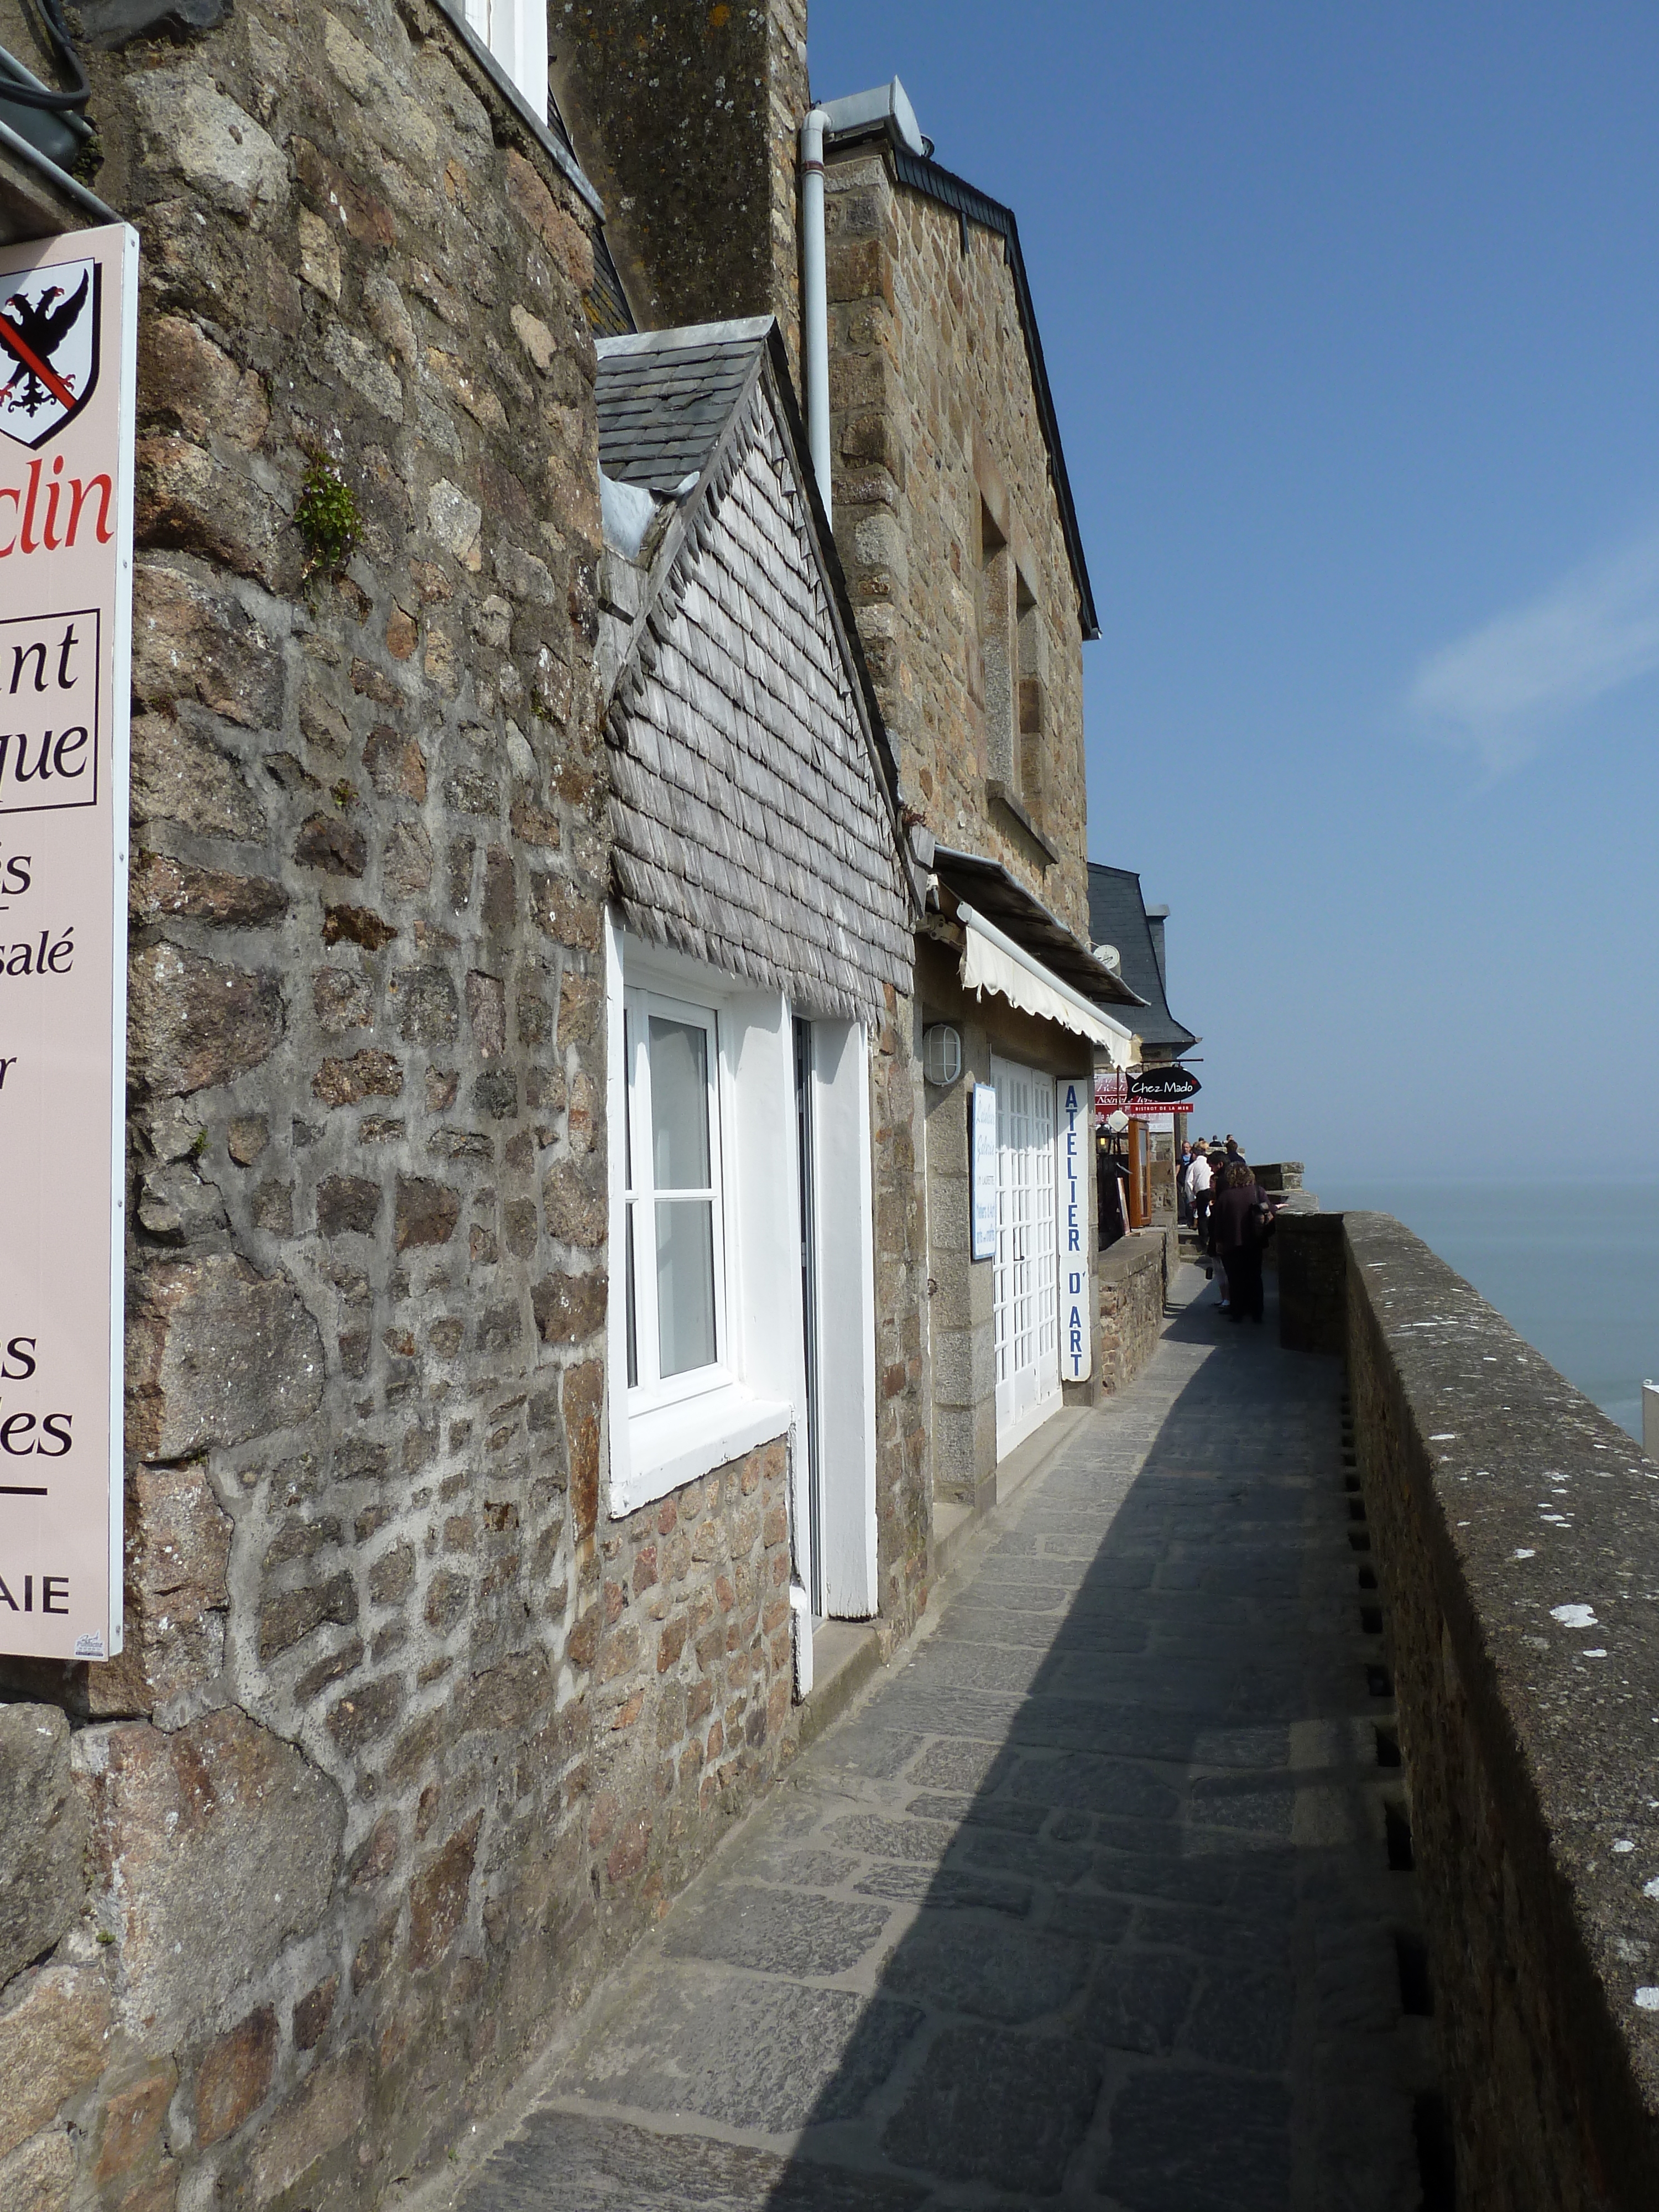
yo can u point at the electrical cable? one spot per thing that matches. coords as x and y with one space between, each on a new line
29 95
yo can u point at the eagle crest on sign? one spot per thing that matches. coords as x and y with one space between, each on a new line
49 322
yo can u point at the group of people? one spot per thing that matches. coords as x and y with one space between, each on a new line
1232 1217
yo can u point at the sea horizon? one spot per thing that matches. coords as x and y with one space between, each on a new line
1571 1263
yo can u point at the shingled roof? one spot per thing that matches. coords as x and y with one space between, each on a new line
1117 915
752 817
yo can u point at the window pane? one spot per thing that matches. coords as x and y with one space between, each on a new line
679 1105
633 1330
627 1116
685 1284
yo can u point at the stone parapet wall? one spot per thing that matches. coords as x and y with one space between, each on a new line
1308 1251
1135 1276
1516 1532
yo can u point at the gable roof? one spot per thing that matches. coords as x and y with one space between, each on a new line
1117 915
752 815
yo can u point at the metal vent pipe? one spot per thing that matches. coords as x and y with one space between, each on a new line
815 312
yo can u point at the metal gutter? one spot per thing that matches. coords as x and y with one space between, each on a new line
55 181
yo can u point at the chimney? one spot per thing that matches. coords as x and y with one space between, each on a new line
687 118
1155 918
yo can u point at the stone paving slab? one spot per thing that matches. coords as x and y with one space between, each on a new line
1088 1903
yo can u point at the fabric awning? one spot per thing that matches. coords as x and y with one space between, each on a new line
991 961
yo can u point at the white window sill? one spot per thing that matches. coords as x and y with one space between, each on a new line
672 1445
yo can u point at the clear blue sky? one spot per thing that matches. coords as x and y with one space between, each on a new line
1352 320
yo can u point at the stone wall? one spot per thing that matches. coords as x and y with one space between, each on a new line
903 1437
1134 1274
1515 1531
688 119
409 1741
1308 1251
933 418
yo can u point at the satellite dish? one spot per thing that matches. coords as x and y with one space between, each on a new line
1117 1122
1109 958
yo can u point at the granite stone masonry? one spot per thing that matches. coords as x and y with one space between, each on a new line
408 1740
1516 1530
1089 1902
946 521
1134 1278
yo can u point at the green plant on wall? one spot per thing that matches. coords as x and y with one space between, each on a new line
327 515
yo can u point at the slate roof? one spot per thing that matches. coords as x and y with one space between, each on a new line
751 810
665 397
1117 915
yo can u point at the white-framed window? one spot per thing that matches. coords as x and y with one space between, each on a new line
674 1225
708 1093
515 31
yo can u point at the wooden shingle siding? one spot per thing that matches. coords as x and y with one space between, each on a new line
751 829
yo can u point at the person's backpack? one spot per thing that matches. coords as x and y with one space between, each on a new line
1262 1218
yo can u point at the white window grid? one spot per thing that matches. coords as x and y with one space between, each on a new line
1026 1284
648 1386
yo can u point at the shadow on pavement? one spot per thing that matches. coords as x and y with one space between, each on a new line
1090 1898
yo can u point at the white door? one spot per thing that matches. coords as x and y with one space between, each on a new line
1026 1288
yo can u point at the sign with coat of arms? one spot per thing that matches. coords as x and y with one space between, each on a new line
68 322
49 321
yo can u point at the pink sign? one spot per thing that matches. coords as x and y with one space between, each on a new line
68 314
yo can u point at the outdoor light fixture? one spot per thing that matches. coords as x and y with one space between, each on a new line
941 1053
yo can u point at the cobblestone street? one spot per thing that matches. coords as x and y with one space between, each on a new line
1100 1895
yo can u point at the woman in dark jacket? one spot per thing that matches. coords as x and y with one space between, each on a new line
1239 1239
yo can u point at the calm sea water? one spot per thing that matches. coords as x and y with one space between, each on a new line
1573 1267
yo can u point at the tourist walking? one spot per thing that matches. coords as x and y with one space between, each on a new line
1243 1217
1198 1191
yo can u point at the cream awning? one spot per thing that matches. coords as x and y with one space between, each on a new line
991 961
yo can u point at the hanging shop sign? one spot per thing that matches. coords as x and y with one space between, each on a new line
1111 1091
1162 1089
983 1166
1071 1240
68 322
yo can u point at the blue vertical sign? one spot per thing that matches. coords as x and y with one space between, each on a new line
983 1161
1077 1334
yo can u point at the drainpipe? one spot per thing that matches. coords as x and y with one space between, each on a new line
815 313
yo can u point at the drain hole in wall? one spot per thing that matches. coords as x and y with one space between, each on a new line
1412 1956
1359 1540
1436 2166
1388 1747
1377 1682
1399 1832
1356 1509
1371 1619
1367 1578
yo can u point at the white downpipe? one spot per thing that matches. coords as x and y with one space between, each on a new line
815 312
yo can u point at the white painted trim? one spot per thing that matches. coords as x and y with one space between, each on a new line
846 1289
759 1391
672 1445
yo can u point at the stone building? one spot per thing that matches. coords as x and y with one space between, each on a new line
442 1673
421 1712
954 516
